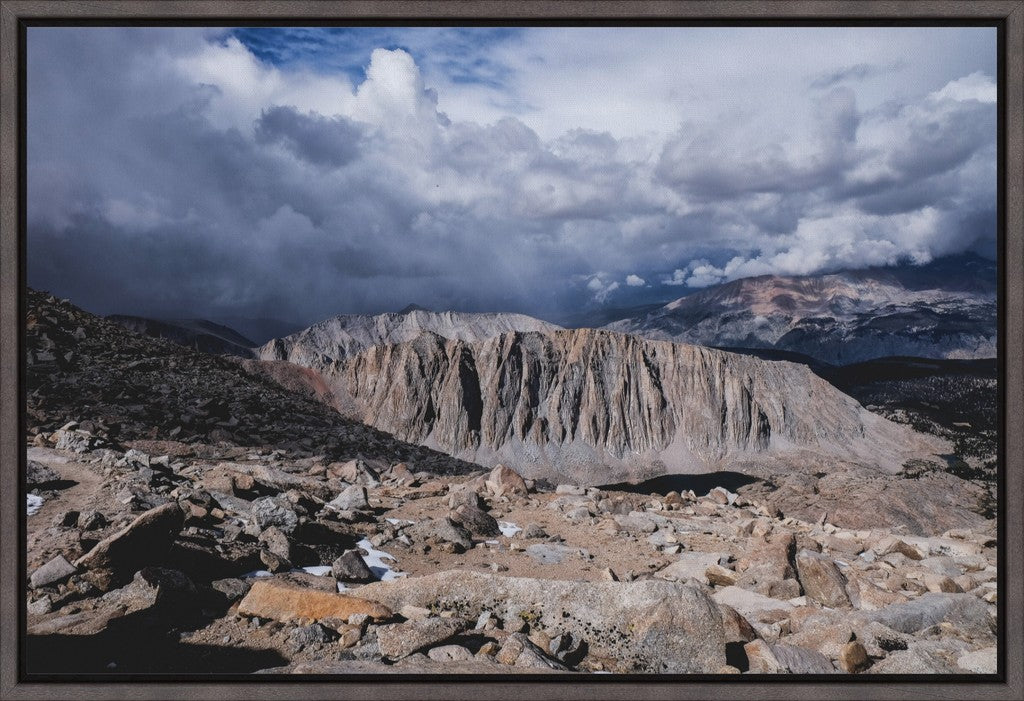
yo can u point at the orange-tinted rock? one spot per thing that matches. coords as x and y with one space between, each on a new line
290 604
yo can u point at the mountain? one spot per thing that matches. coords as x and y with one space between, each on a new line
129 387
591 406
200 334
945 309
342 336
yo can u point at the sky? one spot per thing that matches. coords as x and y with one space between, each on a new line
298 173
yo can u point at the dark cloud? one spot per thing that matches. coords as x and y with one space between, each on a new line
318 140
182 173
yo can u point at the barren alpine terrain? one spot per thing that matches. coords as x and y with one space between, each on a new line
190 512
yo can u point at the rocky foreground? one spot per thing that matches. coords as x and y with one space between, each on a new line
146 563
189 515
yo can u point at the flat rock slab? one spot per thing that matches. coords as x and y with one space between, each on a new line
403 639
964 611
291 604
52 572
750 603
644 626
690 565
551 553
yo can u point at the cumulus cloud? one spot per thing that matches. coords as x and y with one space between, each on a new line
177 172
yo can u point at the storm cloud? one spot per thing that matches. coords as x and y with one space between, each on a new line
297 174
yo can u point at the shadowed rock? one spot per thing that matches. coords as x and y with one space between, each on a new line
145 541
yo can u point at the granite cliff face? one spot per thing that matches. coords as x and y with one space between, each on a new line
342 336
589 406
946 309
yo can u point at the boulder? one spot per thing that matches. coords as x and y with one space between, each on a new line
38 474
442 530
519 651
737 628
768 562
352 498
400 472
643 626
351 567
449 653
892 544
355 472
477 521
505 482
750 603
719 576
798 660
145 541
463 495
274 511
312 634
919 658
761 658
821 579
402 639
54 571
853 658
291 604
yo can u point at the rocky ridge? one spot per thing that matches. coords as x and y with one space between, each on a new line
121 387
592 406
840 318
346 335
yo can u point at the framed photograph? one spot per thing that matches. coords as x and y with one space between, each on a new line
460 350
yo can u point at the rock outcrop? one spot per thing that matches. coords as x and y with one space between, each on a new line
670 627
590 406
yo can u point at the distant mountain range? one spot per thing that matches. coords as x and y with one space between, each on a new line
946 309
197 334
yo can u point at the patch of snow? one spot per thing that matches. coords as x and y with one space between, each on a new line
490 542
255 573
399 522
508 529
342 587
34 504
318 570
374 559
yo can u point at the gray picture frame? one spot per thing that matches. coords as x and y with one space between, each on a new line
1011 593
